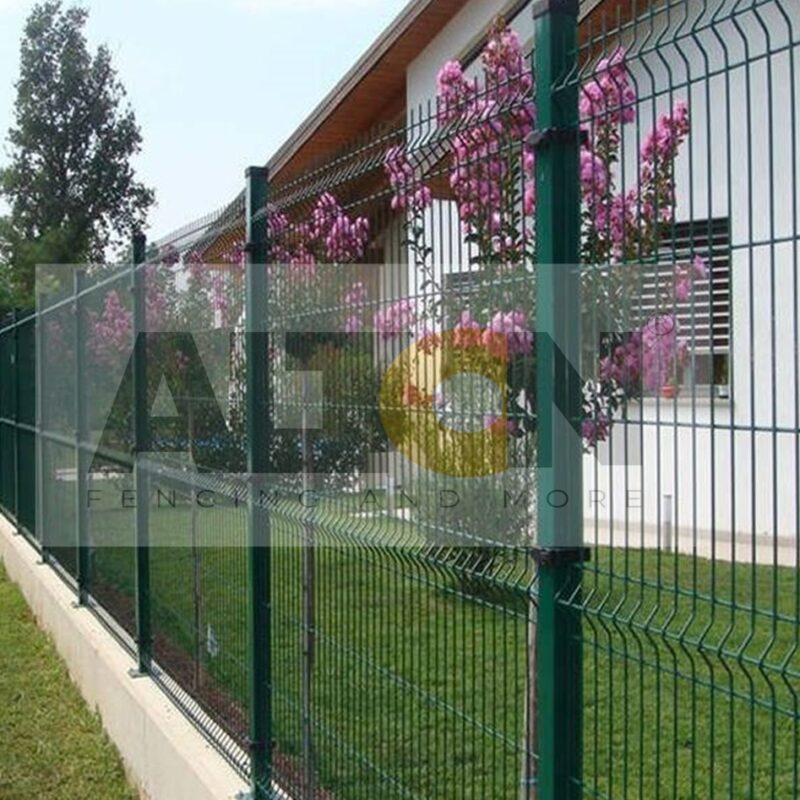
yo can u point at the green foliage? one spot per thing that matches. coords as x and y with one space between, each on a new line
70 183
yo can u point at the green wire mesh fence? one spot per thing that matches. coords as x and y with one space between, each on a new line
463 463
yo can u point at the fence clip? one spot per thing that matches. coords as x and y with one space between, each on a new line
558 556
548 136
258 746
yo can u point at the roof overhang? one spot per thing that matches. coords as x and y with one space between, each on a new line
373 90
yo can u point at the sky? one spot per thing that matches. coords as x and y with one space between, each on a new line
216 85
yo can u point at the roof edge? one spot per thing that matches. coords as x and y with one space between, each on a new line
362 67
351 79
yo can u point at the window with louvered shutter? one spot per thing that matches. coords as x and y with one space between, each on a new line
705 319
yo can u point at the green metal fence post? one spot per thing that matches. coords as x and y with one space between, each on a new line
141 437
258 427
560 519
81 436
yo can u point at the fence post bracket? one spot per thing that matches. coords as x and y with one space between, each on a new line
560 556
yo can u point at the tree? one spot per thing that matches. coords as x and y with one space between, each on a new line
70 184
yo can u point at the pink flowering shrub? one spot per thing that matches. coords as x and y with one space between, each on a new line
407 193
491 174
492 161
512 326
328 236
306 260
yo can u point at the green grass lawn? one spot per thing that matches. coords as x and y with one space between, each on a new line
691 669
51 745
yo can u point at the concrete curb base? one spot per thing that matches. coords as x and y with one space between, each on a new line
164 755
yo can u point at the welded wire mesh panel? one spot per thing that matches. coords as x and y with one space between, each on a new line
59 504
110 539
103 386
17 418
26 417
400 302
690 604
106 348
56 397
199 592
403 432
194 301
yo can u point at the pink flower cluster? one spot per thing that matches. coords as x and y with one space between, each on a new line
492 177
650 358
455 95
290 246
508 73
399 317
609 96
197 268
345 239
627 224
594 176
234 255
354 298
513 327
220 299
661 145
656 192
507 334
112 330
278 231
662 351
155 302
407 193
595 429
624 364
651 355
485 152
468 332
328 235
356 295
